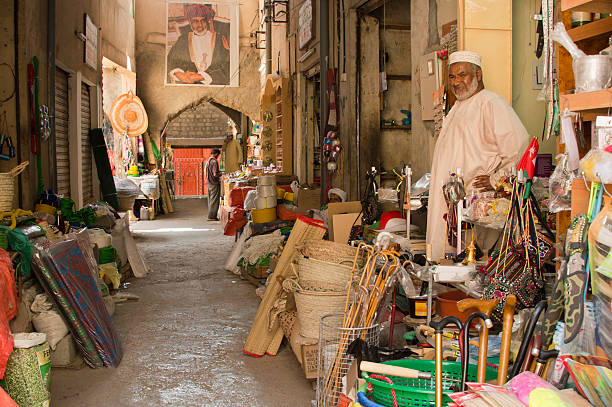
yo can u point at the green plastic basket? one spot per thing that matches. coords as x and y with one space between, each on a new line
420 392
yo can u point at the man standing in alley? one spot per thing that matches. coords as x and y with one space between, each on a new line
481 135
212 176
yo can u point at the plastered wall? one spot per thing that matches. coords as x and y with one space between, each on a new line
115 19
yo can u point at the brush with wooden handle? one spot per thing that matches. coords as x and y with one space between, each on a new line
380 368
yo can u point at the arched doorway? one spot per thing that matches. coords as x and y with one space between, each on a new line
192 134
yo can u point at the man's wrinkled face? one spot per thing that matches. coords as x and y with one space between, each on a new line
463 79
199 25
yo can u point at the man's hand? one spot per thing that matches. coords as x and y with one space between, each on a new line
483 183
189 77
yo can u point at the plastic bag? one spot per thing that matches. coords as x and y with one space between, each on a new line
600 255
560 186
126 187
597 166
421 186
560 35
249 200
523 384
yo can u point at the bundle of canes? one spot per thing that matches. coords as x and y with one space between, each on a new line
362 306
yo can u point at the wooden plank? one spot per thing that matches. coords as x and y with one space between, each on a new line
599 27
594 6
580 196
599 99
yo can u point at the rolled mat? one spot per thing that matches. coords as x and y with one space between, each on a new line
262 337
75 278
85 345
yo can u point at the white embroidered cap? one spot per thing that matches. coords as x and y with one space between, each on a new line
465 56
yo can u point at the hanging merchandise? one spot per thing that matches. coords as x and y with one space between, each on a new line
35 121
128 115
45 127
5 139
547 92
516 268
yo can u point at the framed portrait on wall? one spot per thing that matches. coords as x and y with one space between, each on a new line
202 43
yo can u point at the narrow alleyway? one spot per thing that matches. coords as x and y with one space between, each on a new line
183 340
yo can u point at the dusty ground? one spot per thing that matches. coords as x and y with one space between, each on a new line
183 340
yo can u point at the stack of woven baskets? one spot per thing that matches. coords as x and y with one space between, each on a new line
321 282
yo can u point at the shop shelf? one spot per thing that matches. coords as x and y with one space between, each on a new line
590 30
587 101
594 6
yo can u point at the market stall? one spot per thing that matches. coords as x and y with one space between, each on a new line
380 315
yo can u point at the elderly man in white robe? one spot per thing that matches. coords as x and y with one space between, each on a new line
481 135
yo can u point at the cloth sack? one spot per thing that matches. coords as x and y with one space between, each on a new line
47 320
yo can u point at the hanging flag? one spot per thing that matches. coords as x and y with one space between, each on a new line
527 163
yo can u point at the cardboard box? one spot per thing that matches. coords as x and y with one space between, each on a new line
342 225
309 198
341 208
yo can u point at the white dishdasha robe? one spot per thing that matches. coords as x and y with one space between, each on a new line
482 135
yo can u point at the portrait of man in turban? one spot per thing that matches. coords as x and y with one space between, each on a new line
201 55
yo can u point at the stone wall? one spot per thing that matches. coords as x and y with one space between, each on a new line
205 121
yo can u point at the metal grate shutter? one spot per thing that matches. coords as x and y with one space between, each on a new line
62 156
86 161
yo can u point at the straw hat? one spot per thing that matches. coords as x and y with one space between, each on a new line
127 114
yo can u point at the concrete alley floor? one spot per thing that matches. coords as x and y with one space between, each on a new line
183 339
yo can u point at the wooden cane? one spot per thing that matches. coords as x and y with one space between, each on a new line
504 356
486 307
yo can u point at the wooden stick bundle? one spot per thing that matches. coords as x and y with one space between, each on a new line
361 308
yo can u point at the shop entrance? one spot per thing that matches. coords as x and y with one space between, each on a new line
189 171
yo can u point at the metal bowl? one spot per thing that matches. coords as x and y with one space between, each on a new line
592 72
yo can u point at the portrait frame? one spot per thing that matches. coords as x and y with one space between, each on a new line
202 43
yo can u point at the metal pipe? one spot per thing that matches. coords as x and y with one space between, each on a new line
51 91
324 102
17 97
268 20
358 108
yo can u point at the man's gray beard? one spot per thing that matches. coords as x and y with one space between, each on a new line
469 92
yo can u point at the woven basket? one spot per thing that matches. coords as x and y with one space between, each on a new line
312 305
312 271
7 186
313 302
326 250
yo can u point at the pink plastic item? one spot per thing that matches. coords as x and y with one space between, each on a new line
524 383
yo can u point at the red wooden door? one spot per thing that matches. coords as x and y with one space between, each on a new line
188 175
189 171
